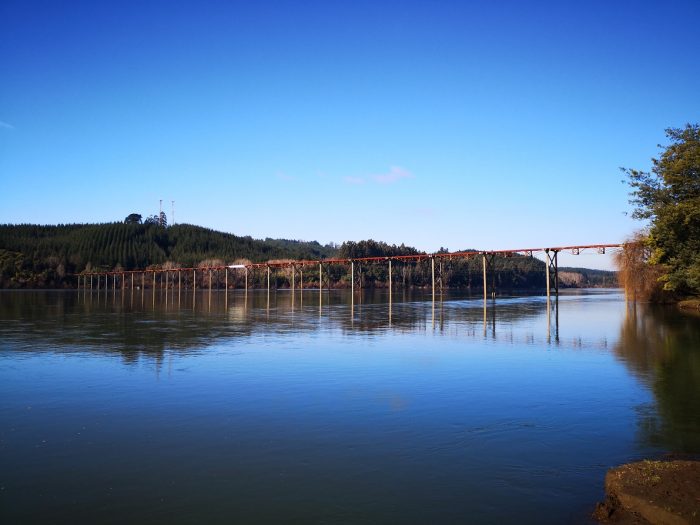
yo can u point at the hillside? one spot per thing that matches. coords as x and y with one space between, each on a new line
586 278
42 256
36 256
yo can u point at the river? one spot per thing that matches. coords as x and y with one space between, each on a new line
249 408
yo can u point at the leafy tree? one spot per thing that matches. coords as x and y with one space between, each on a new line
133 218
669 197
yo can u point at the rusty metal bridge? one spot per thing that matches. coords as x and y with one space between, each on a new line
172 277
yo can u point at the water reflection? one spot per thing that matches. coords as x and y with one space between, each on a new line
662 348
331 407
147 322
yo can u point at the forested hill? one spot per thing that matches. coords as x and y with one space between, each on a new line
587 278
37 256
33 256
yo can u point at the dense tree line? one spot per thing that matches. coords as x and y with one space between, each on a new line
668 197
43 256
47 256
510 273
586 278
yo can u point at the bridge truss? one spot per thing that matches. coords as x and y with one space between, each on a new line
166 277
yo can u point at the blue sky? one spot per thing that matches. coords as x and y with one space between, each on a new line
457 124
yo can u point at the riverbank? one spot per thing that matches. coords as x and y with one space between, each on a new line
689 304
652 492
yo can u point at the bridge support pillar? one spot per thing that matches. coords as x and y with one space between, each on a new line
352 278
552 271
483 261
432 271
320 285
390 287
488 264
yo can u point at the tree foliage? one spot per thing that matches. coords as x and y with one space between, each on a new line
46 256
639 278
35 255
669 198
133 218
511 273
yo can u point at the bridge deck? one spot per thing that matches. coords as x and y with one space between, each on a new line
402 258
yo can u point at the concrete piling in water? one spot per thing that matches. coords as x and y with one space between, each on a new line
432 272
390 287
483 261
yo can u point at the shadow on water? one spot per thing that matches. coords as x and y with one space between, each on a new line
662 348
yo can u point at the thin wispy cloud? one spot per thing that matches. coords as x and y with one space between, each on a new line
394 175
6 125
283 176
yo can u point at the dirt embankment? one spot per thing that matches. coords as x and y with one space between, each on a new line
689 304
657 492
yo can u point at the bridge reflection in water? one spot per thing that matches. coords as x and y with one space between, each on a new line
369 309
178 281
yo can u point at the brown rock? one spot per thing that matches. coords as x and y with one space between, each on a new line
658 492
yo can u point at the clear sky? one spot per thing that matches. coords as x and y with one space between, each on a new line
450 124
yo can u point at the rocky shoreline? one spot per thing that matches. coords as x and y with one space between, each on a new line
657 492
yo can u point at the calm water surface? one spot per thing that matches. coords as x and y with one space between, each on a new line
138 408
